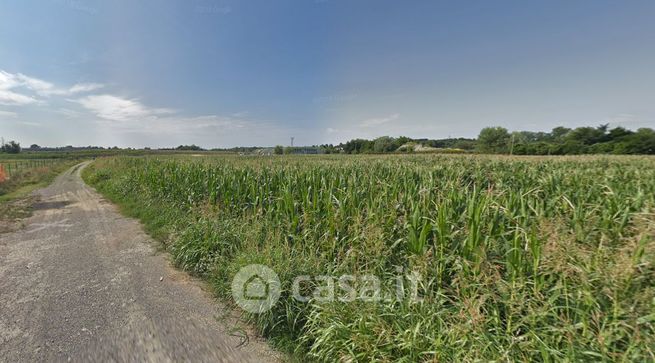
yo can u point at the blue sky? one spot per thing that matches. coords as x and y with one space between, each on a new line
234 73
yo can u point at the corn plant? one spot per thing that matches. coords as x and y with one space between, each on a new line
549 258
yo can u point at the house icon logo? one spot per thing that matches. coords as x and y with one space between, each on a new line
256 288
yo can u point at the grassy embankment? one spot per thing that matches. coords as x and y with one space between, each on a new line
16 189
522 258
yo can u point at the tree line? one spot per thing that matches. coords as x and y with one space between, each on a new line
11 147
491 140
566 141
498 140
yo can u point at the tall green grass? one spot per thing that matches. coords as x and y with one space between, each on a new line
522 258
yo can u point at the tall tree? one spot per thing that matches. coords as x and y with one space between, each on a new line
494 140
12 147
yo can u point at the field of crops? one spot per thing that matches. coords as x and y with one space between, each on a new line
521 258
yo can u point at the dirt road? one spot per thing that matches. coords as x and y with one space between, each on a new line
82 283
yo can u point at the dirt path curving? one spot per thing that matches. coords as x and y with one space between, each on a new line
82 283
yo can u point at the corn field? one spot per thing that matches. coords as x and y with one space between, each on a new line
524 259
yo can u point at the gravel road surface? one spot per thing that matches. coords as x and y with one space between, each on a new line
82 283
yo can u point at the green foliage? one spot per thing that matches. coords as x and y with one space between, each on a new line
189 148
497 140
493 140
12 147
279 150
358 146
522 259
383 144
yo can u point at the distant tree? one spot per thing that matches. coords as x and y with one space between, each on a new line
358 146
602 148
560 141
328 149
35 147
12 147
383 144
279 150
524 137
641 142
400 141
493 140
587 135
189 148
618 133
572 147
558 133
464 144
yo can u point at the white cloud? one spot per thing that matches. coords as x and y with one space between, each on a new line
130 115
10 98
120 109
109 118
35 84
84 87
373 122
9 82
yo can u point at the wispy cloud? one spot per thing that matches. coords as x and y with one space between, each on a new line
10 98
120 109
373 122
19 89
47 89
8 114
8 82
133 116
78 88
117 117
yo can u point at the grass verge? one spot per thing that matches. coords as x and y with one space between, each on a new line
16 193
